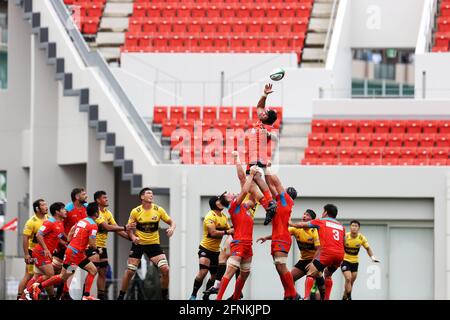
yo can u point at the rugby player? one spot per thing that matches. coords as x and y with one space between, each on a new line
353 242
29 241
106 223
331 253
50 234
281 238
215 226
308 243
82 238
241 246
146 240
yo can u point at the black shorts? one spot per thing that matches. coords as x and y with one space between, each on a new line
301 265
151 250
258 164
103 255
348 266
59 253
211 255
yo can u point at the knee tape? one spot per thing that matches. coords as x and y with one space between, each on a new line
279 260
233 262
245 266
132 267
162 262
57 263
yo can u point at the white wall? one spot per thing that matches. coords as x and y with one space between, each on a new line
437 75
385 23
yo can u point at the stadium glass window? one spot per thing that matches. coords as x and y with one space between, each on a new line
382 73
3 44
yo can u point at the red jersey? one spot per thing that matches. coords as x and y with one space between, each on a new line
85 229
280 222
259 143
73 216
242 221
52 230
331 235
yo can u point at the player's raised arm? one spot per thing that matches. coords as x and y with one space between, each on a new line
302 224
239 170
246 187
262 101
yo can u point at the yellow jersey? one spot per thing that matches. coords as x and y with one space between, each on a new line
352 246
221 223
102 235
147 223
307 241
31 228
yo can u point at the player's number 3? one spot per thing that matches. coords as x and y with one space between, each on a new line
336 235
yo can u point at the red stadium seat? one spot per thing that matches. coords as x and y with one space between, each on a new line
444 126
411 140
363 140
159 114
373 162
424 153
319 126
300 27
437 162
313 153
408 153
331 140
329 153
315 139
334 126
209 113
439 153
153 12
168 127
374 153
242 113
149 26
413 127
347 140
398 127
389 162
405 162
442 141
193 113
365 127
134 26
176 113
395 140
381 126
225 113
349 126
257 12
379 140
430 127
345 153
427 140
391 153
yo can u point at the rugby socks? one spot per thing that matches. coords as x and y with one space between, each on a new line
289 283
101 295
121 295
309 283
88 284
266 199
210 283
33 280
220 272
65 288
284 286
50 282
237 273
197 284
59 290
238 288
222 288
165 293
328 287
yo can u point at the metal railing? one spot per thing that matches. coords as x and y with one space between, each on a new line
425 40
94 59
330 28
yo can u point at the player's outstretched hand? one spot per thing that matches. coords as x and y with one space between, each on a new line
253 170
268 88
136 240
170 231
261 240
131 226
374 259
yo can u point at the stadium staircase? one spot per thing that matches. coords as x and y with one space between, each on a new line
85 76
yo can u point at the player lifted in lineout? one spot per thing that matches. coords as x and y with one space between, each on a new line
331 253
281 238
258 144
353 242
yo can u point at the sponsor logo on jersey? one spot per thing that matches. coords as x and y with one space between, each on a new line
334 225
82 224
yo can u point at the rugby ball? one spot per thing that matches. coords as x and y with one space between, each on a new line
277 74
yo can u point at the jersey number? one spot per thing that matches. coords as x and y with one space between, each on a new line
336 235
75 233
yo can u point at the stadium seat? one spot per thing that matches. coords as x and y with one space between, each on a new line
176 113
408 153
363 140
424 153
193 113
398 127
427 140
315 139
413 127
242 113
168 127
365 127
225 113
347 140
391 153
334 126
442 141
319 126
395 140
379 140
349 126
439 153
444 126
374 153
381 126
411 140
159 114
331 140
430 127
345 153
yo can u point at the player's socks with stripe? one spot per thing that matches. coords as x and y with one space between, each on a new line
328 287
33 280
165 293
51 282
238 288
121 295
309 283
88 284
290 287
197 284
223 287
